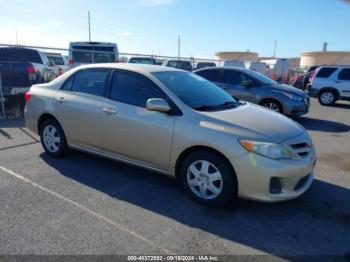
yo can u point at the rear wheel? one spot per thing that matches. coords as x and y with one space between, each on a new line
272 105
208 179
327 97
53 139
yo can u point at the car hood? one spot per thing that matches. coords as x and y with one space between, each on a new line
253 122
289 89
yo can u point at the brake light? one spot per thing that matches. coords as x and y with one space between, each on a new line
31 70
27 96
60 71
299 77
312 75
70 61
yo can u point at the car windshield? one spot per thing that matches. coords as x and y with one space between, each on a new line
261 78
56 59
195 91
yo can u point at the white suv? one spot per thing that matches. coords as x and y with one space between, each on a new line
330 83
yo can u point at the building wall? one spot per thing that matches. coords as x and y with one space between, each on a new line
324 58
243 56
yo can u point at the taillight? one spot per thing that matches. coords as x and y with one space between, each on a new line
299 77
60 71
312 75
31 70
70 61
27 96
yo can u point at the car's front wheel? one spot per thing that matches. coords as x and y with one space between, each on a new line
327 97
272 105
53 139
208 178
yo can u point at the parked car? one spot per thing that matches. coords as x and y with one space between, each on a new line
175 123
257 66
201 65
20 68
299 82
330 83
308 74
60 63
143 60
249 85
234 63
92 52
179 64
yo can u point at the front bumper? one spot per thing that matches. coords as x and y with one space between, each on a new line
312 92
257 176
297 108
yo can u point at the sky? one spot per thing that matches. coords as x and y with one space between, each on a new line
205 26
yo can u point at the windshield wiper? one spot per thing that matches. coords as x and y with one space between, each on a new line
228 104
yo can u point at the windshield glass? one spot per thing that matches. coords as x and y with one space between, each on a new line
195 91
260 77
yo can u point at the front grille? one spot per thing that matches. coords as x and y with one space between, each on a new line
301 183
301 149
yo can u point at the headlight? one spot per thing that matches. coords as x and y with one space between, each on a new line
270 150
293 97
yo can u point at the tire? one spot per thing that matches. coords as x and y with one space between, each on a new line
327 97
53 139
273 105
197 178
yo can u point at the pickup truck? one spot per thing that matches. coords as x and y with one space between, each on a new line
20 68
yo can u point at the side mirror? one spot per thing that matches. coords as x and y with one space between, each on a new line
158 105
246 83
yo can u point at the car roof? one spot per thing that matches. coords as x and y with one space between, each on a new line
224 68
141 68
322 66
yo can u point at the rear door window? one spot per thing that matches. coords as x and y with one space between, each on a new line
326 72
232 77
90 81
212 75
344 74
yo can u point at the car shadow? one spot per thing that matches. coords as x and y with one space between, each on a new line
315 124
341 105
316 223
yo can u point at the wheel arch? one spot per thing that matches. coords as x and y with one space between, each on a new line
272 99
192 149
44 117
330 89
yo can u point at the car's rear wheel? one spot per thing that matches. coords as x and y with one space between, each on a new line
327 97
53 139
272 105
208 178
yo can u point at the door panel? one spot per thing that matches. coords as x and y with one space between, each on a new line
137 134
231 82
80 117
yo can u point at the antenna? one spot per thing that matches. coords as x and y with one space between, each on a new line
178 48
274 49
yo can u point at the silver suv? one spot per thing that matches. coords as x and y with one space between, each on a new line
176 123
330 83
256 88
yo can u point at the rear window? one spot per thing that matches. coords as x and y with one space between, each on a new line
90 81
212 75
20 55
56 59
326 72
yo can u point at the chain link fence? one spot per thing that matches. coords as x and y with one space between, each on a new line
23 66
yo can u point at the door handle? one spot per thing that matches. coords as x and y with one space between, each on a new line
109 111
60 100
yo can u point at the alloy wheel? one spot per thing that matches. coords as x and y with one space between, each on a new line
51 138
204 179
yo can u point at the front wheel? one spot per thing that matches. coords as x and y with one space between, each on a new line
272 105
53 139
208 179
327 97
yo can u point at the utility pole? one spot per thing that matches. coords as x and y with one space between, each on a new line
178 48
89 26
16 36
274 49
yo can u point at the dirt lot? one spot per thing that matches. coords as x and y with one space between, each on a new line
87 205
